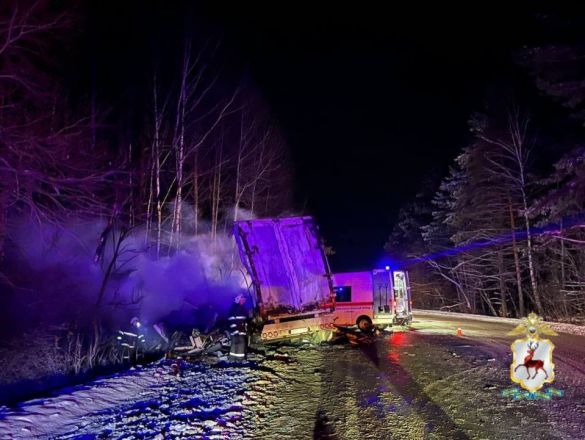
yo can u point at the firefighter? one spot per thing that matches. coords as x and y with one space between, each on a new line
237 317
132 342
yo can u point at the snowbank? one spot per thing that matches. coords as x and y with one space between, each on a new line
43 417
557 326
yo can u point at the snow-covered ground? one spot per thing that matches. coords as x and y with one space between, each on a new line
67 411
424 383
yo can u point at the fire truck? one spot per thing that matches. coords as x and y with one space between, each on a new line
378 298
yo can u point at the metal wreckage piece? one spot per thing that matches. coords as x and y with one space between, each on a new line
134 346
197 344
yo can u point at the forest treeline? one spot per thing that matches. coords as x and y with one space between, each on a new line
503 233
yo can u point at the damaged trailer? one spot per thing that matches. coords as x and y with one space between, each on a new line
290 277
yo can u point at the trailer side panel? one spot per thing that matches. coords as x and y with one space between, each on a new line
286 261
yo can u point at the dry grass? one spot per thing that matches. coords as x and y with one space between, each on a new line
40 355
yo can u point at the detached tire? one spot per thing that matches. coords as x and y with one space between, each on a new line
364 323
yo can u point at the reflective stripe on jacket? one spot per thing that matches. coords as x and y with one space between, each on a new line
237 316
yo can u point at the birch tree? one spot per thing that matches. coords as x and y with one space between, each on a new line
510 163
184 122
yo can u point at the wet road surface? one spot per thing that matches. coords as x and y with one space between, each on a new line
429 383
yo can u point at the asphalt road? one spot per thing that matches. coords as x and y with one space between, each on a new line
569 348
430 383
427 382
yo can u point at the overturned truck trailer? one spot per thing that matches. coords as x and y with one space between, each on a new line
285 259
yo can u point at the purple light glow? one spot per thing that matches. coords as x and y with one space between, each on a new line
551 228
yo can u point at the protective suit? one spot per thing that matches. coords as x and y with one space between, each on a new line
238 328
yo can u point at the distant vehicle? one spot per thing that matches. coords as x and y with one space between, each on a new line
372 298
290 276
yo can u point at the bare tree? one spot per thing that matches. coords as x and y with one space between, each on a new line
183 124
511 163
258 161
45 171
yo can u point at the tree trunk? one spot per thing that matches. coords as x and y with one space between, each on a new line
502 285
196 192
3 223
156 151
530 253
521 312
216 191
179 144
562 289
131 187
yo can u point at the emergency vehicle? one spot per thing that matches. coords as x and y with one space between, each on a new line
380 297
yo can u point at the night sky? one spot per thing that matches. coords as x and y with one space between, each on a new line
371 101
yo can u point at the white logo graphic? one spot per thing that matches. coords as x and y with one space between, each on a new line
532 364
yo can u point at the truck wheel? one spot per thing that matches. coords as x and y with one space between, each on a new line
364 323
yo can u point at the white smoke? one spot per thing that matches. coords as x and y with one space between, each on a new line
57 269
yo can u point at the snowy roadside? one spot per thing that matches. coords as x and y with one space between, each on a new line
54 415
572 329
210 399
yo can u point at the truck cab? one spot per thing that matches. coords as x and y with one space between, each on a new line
372 298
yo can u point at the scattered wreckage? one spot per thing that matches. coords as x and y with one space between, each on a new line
141 341
136 346
294 296
197 344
